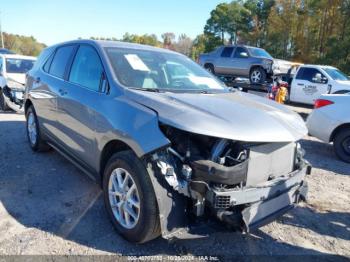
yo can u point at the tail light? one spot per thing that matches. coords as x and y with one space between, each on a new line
322 102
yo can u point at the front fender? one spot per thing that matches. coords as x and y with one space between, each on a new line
131 123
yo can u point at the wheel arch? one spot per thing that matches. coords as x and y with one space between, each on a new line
27 104
112 147
337 130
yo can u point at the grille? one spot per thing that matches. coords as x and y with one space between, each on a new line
222 201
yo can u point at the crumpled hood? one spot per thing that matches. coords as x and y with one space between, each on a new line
236 115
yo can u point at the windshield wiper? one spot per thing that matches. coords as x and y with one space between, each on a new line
156 90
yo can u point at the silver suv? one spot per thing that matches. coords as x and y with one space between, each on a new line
166 140
239 61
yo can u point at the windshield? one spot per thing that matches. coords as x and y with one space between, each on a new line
336 74
259 52
149 70
18 66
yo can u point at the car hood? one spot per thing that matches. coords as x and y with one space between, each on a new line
345 84
234 115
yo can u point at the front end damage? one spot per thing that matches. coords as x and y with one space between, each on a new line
243 185
14 96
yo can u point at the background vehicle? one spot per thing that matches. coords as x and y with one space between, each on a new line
166 140
312 81
6 51
12 78
239 61
330 122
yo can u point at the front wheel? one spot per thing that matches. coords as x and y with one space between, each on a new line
130 199
342 145
257 75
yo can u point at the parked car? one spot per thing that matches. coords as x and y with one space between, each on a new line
167 141
330 122
12 78
239 61
312 81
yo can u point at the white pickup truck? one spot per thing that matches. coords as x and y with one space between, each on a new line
312 81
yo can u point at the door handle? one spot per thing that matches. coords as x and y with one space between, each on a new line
300 84
62 92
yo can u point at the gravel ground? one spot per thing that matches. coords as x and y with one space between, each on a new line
49 207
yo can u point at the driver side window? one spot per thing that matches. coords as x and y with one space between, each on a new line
309 74
87 68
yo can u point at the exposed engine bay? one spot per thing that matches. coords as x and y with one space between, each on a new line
241 184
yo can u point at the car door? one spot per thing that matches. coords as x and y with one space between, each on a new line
45 84
78 102
240 62
306 89
223 65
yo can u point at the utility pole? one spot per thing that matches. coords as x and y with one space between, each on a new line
2 36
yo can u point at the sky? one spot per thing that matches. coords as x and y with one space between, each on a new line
53 21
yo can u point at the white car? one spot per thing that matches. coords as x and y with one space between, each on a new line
330 122
13 69
312 81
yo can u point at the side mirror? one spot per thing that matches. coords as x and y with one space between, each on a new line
317 78
243 54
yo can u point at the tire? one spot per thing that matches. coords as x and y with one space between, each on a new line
3 105
146 226
36 143
257 75
210 68
341 145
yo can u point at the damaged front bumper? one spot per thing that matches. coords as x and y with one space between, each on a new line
260 205
14 98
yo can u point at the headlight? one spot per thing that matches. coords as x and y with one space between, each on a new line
267 63
14 85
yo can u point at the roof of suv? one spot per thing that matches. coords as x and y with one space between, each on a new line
118 44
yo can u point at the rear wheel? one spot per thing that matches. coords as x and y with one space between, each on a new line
3 105
342 145
130 199
257 75
33 132
210 68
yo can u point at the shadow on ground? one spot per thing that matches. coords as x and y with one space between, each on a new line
46 192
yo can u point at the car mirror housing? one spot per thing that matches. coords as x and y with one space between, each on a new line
243 54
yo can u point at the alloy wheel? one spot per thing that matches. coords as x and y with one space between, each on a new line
124 198
256 76
32 129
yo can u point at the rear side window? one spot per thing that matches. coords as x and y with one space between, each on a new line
87 68
227 52
60 61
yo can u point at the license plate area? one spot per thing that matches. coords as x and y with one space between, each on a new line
262 213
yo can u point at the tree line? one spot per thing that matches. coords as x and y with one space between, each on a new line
308 31
25 45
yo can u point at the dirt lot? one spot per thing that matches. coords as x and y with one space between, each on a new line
47 206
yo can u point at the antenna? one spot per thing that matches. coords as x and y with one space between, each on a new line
1 34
